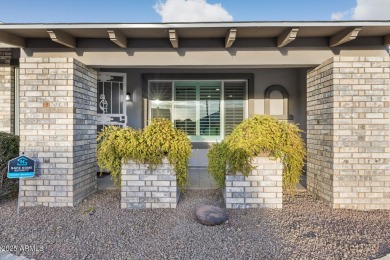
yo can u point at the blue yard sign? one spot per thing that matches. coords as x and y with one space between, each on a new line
21 167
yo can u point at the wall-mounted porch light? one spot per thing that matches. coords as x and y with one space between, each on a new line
128 96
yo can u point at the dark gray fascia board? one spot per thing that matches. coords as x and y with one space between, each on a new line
191 25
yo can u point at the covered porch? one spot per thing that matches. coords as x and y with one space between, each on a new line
330 78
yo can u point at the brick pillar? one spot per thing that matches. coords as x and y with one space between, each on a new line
7 93
348 132
58 128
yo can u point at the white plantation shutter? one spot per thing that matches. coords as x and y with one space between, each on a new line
210 114
234 94
205 110
185 109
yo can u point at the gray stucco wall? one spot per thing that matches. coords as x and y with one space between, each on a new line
204 52
293 80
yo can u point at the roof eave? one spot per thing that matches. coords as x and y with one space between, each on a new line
190 25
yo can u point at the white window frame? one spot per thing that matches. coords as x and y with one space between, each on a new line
198 138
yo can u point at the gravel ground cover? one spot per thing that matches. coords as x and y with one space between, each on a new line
99 229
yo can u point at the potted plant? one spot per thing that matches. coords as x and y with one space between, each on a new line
149 164
242 156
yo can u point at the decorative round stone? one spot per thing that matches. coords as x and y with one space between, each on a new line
211 215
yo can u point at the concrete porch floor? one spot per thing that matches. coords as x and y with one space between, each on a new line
200 179
105 183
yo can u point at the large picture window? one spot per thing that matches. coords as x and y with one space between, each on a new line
205 110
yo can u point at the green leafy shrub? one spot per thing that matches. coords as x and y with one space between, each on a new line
217 160
9 149
253 137
150 146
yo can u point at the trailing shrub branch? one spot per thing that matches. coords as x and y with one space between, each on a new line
9 149
150 146
253 137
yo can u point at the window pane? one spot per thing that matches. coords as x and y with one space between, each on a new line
161 109
197 106
210 103
160 96
234 105
185 108
160 91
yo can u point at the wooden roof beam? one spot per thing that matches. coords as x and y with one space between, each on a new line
12 39
286 37
230 37
62 38
118 38
344 36
174 38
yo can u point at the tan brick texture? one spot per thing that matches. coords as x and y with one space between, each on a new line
348 132
7 92
58 129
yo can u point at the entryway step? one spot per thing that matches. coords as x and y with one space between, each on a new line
200 179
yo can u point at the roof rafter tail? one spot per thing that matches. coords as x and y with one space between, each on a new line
288 36
173 37
230 37
344 36
118 38
12 39
62 38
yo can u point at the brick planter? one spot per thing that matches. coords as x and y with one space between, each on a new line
262 189
144 188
